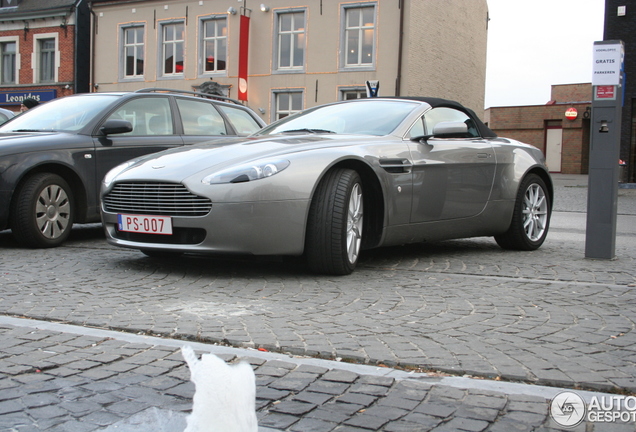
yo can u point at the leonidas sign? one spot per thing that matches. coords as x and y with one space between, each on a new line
608 63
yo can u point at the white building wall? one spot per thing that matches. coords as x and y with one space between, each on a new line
444 49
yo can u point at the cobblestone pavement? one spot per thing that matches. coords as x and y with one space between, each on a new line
460 308
57 377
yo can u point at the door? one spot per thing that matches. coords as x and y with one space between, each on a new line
153 131
452 177
553 145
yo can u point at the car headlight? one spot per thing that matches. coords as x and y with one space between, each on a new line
110 175
248 172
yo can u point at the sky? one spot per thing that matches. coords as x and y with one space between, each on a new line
535 44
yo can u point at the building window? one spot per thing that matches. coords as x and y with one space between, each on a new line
7 62
359 36
287 103
173 42
290 52
214 45
46 54
353 93
133 52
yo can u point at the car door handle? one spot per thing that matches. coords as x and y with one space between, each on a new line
483 155
396 166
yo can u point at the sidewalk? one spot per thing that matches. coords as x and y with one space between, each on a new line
59 377
449 336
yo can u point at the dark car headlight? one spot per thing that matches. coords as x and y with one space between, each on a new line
248 172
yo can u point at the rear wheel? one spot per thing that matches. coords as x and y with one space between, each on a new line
42 212
334 227
531 217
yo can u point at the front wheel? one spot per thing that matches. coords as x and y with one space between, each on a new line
42 211
334 226
531 217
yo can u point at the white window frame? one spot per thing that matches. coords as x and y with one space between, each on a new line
360 90
16 74
216 39
162 50
279 34
136 44
36 57
288 93
360 28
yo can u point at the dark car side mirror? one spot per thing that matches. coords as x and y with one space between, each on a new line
446 130
116 126
450 130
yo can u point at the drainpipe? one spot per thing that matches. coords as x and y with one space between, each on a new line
398 80
93 31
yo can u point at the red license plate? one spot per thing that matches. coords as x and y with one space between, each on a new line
145 224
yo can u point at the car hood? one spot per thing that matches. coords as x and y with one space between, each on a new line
180 163
24 142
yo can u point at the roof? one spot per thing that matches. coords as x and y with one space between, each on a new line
33 7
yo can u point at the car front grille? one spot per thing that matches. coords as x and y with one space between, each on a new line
180 236
162 199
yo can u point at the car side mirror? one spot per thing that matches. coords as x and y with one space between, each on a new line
116 126
450 130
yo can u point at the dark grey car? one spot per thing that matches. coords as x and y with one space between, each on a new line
6 115
53 157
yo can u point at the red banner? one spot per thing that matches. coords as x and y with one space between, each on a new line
243 50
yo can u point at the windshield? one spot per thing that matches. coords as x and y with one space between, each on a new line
367 117
68 114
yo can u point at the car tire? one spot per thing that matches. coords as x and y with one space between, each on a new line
531 216
334 226
42 211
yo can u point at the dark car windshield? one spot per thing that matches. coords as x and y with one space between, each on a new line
368 117
68 114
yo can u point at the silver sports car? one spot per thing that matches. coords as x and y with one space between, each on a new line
332 181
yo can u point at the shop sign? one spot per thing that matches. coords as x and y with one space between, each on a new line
571 113
16 98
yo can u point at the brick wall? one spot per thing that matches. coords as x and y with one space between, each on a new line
65 45
572 93
528 124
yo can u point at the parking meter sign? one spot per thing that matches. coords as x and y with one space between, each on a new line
605 92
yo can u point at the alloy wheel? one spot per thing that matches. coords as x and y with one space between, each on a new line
535 212
354 223
52 211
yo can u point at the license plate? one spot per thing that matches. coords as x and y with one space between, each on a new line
145 224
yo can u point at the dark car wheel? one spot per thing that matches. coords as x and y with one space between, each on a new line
42 212
334 227
531 217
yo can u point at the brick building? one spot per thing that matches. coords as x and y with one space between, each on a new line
542 125
44 50
620 24
560 128
299 53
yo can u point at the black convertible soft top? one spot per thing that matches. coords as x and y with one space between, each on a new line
447 103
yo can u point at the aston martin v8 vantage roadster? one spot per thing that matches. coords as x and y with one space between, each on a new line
332 181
